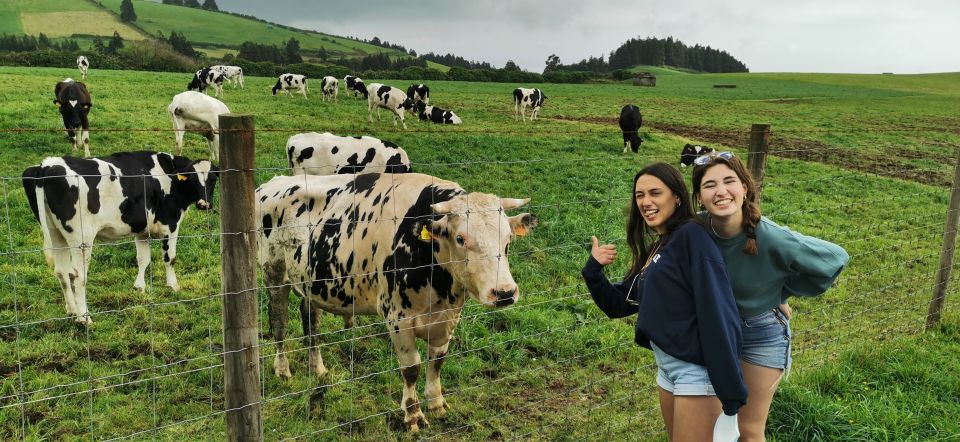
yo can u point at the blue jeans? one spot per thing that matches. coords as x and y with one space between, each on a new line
766 340
680 377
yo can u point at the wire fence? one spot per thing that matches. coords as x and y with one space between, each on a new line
152 364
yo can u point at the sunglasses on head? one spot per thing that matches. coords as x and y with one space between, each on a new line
703 160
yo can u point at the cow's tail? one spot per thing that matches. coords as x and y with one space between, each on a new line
37 198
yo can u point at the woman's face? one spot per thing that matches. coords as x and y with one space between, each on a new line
722 192
656 202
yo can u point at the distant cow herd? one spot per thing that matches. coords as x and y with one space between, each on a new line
352 230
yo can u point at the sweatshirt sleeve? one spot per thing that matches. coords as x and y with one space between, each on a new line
814 263
719 323
611 298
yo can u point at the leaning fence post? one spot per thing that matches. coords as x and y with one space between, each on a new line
238 245
946 251
757 158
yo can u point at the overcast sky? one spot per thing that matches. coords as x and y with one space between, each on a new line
856 36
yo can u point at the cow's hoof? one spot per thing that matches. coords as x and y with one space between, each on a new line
84 319
282 373
175 286
416 421
140 287
439 408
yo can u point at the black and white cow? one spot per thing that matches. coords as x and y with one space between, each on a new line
435 114
330 87
355 86
288 82
390 98
231 74
83 64
419 93
690 152
139 194
205 78
328 154
630 122
409 247
524 98
73 100
199 112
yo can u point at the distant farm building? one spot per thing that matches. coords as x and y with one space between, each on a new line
645 79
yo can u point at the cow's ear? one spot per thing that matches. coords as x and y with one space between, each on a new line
427 230
523 223
166 163
87 105
513 203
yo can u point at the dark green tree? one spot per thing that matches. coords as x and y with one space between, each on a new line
552 62
210 5
116 43
98 46
291 51
191 4
511 66
126 11
322 54
180 44
173 2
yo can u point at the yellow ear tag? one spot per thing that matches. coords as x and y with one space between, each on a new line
425 234
181 177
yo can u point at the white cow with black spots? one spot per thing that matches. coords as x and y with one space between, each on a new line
288 82
328 154
231 74
330 87
389 98
201 113
83 64
524 98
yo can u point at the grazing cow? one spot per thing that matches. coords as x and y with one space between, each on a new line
205 78
408 247
83 65
327 154
231 74
286 82
630 121
330 87
198 112
435 114
355 86
691 152
523 98
390 98
73 100
419 92
139 194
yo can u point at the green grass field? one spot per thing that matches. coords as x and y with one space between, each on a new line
856 159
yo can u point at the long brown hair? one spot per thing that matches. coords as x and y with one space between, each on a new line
637 229
750 207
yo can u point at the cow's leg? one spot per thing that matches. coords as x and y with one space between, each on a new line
403 123
169 258
625 143
378 114
72 136
370 112
310 316
143 260
178 128
405 345
66 274
84 252
85 138
273 274
433 393
303 90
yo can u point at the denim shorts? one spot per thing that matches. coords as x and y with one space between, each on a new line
680 377
766 340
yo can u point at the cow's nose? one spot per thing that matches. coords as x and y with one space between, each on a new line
505 297
203 205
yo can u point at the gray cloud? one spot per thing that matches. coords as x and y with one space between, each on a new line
767 35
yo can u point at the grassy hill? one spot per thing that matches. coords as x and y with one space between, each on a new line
211 32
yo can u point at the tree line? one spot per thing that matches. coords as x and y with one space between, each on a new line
28 43
656 52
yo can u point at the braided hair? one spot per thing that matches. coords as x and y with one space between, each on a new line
750 207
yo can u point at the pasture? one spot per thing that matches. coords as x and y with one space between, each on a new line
863 161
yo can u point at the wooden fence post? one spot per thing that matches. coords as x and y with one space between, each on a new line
946 251
757 158
238 245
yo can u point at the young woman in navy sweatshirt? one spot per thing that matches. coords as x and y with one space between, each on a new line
679 287
767 263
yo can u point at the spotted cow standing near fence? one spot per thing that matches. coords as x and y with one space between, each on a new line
288 82
630 122
139 194
73 101
409 247
355 86
328 154
419 93
199 112
390 98
435 114
330 87
205 78
690 152
524 98
83 64
231 74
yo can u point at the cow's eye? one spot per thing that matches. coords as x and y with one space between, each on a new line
460 239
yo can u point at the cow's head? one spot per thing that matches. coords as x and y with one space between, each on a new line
691 152
193 182
407 105
635 141
196 84
420 110
472 239
73 101
277 87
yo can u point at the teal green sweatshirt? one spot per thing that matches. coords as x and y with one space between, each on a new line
787 264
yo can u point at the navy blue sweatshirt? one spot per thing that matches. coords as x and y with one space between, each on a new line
686 308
